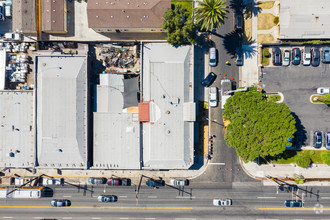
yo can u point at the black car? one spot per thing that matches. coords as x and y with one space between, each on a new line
277 56
155 183
239 58
239 22
296 56
288 188
318 139
315 57
209 79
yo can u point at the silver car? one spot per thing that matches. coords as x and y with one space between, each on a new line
286 58
327 140
222 202
213 56
179 182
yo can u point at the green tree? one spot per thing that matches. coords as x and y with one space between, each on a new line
303 160
325 156
179 25
327 99
210 14
258 127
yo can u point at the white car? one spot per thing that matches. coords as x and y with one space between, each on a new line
323 90
213 101
13 37
222 202
286 58
213 56
179 182
307 56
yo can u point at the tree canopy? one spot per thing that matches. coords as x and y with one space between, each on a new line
210 14
258 127
179 25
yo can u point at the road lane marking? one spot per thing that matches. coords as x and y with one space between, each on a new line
96 218
67 196
67 217
152 197
38 217
185 197
217 164
266 197
123 218
150 218
295 209
7 217
122 196
91 207
325 197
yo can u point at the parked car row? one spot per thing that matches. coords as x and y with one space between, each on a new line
66 202
173 182
110 181
318 139
308 56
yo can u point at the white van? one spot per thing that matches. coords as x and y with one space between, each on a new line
213 56
8 11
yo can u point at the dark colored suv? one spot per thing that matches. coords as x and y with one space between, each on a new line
293 203
277 56
155 183
239 22
209 79
315 57
296 56
318 139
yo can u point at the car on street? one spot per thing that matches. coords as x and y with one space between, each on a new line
179 182
2 11
327 140
323 90
277 57
107 198
113 182
239 21
326 55
222 202
213 56
286 58
60 202
13 37
287 187
315 57
317 139
207 82
213 101
155 183
293 203
99 180
239 58
307 55
296 56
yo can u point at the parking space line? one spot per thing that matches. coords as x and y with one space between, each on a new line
266 197
217 164
152 197
311 139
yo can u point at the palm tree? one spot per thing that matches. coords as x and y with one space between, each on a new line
210 14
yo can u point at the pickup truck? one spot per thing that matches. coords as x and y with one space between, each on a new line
13 37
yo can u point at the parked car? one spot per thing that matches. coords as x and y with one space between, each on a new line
179 182
209 79
110 198
60 202
323 90
293 203
213 56
286 58
213 101
326 55
315 57
2 11
8 11
222 202
114 182
327 140
296 56
155 183
239 21
100 180
307 56
317 139
287 187
239 58
277 57
13 37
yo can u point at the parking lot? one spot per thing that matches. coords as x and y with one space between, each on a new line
298 83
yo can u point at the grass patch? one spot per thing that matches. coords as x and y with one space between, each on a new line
265 58
247 36
290 156
266 5
265 21
320 98
273 98
186 3
265 38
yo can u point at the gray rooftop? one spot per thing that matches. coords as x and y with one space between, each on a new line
303 19
62 111
24 15
167 81
17 129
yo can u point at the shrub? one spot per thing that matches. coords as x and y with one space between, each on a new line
327 99
276 20
326 157
303 160
265 52
299 179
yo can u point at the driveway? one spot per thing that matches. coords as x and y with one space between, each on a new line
298 83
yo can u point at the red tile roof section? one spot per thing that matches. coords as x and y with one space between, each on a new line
144 112
52 15
126 13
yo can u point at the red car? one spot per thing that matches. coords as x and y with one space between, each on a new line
118 182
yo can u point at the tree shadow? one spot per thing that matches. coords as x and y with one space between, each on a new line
249 50
231 42
236 5
250 8
300 136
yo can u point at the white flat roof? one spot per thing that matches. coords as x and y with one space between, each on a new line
167 80
303 19
3 58
62 111
17 129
